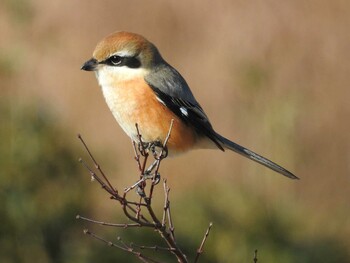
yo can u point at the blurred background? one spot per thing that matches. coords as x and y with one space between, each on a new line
271 75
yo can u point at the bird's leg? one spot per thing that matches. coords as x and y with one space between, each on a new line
143 148
159 152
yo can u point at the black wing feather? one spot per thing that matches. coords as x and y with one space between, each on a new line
192 114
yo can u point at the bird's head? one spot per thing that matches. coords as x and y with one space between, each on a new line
123 55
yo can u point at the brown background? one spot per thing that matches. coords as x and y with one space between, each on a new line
271 75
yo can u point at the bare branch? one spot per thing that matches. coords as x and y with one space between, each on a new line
169 133
200 249
107 224
140 212
94 175
155 248
97 166
167 211
124 248
143 179
137 156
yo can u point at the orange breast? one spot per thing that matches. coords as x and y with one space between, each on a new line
134 101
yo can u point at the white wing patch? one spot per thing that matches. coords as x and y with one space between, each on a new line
184 111
158 99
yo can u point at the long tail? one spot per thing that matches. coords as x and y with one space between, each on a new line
254 156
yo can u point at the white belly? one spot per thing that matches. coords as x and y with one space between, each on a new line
123 109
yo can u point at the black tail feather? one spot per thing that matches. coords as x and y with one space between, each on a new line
254 156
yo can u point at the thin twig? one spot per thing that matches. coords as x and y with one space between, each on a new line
94 175
169 132
166 203
255 256
97 166
126 249
142 148
123 243
167 211
137 156
143 179
145 222
156 248
200 249
108 224
167 237
181 257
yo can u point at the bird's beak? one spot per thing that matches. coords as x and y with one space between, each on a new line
90 65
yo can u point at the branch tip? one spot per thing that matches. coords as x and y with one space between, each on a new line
255 256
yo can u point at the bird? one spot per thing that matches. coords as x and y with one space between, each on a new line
141 88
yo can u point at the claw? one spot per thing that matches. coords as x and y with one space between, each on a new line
159 151
143 148
156 179
154 145
140 191
164 153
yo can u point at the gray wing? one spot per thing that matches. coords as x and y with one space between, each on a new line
172 91
169 81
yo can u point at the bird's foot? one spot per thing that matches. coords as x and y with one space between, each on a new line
158 150
141 184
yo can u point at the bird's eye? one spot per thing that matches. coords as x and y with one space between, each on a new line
115 60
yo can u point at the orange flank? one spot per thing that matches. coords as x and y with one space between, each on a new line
135 102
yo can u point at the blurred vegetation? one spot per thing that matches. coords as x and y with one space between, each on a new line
21 11
41 189
243 222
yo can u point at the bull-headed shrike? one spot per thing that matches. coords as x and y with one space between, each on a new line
140 87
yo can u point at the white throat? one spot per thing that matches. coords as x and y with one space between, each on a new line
109 76
115 85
